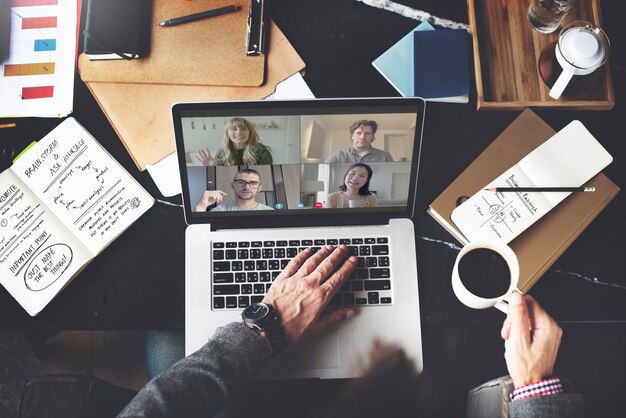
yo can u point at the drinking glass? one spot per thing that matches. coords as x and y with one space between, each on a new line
545 15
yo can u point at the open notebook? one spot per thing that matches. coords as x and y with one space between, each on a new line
569 158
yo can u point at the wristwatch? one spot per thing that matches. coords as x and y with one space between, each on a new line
263 317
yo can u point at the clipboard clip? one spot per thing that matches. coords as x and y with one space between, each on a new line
255 40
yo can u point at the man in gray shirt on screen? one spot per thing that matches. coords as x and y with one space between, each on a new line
362 135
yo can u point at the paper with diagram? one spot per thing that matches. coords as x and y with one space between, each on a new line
570 158
37 76
61 203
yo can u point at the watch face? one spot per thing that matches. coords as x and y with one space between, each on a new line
256 311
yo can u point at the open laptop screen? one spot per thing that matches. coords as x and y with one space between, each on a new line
347 157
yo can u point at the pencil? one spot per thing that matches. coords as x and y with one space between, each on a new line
542 189
201 15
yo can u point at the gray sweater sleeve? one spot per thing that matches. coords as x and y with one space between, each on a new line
199 384
564 405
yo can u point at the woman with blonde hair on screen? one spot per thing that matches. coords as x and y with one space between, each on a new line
241 146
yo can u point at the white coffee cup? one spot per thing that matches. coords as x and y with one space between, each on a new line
581 49
468 296
353 203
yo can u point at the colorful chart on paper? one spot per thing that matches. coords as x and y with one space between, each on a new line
37 78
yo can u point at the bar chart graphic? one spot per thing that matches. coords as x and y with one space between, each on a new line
28 3
37 78
39 22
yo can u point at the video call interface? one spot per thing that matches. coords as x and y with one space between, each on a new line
278 162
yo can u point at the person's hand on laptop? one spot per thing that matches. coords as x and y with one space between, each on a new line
208 198
532 340
305 287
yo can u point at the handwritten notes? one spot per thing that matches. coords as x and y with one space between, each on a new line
569 158
73 176
60 204
502 215
37 255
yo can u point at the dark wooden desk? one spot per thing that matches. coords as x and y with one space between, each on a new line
138 282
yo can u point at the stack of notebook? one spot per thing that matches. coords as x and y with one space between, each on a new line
428 63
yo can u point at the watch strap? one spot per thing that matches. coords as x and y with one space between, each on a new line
274 333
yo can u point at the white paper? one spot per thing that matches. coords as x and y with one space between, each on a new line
568 159
293 87
46 88
166 176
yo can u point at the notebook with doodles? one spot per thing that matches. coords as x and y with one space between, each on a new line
263 180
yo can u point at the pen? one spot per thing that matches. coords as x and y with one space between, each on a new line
201 15
542 189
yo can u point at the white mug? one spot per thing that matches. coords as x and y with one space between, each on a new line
473 300
354 203
581 49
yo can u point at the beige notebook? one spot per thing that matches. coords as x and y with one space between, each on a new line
542 243
208 51
141 113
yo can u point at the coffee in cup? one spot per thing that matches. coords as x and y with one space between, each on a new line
485 274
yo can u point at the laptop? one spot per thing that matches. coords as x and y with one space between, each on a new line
279 195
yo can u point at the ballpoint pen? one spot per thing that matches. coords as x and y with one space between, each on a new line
200 15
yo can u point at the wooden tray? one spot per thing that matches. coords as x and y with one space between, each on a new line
506 53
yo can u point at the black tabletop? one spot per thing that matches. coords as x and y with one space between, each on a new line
138 281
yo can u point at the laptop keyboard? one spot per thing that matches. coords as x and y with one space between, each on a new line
243 271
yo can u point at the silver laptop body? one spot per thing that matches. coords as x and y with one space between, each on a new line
300 135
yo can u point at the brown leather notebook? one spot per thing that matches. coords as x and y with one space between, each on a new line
141 113
208 51
539 246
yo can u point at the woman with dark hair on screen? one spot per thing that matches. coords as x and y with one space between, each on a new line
241 146
355 190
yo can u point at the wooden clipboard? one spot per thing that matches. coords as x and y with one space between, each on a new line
141 113
208 51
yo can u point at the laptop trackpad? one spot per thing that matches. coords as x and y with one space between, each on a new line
321 352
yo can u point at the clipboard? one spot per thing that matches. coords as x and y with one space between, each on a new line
204 52
141 113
